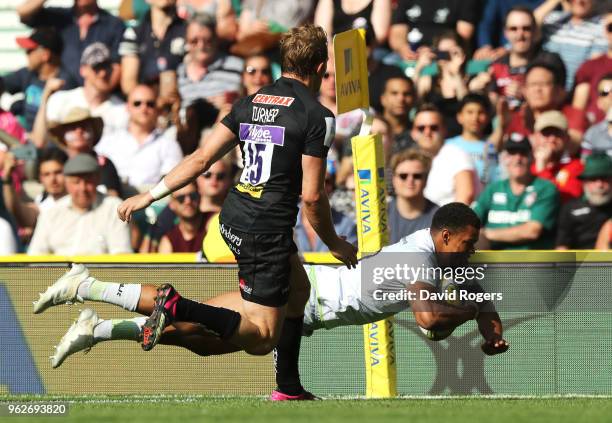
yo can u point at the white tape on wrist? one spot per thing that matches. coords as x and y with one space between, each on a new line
160 190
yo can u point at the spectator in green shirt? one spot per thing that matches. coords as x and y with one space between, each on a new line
518 213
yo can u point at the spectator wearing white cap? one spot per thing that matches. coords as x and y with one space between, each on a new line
96 93
550 152
83 222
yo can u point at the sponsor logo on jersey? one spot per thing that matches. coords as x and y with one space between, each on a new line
264 115
581 211
530 199
262 134
276 100
244 287
254 191
505 217
233 241
500 198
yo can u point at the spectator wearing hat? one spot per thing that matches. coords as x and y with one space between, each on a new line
96 94
79 26
78 133
543 91
518 213
83 222
43 73
142 153
581 219
551 160
409 210
599 137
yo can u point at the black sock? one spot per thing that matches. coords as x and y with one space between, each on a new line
286 357
222 321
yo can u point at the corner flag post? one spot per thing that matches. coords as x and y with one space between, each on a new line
370 192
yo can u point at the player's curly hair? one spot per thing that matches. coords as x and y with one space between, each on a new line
302 49
455 217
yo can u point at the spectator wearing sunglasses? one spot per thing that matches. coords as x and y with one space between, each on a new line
209 82
141 153
599 137
212 188
409 210
187 235
257 73
588 91
506 75
452 176
96 94
207 72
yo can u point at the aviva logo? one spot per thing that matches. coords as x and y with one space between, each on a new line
365 176
18 372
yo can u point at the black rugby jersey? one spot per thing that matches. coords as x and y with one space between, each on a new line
275 127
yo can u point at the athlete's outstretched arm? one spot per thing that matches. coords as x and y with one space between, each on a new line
491 329
438 315
219 143
318 212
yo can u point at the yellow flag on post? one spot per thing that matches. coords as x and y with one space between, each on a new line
351 63
352 93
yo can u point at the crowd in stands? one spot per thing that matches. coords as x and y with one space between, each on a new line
503 105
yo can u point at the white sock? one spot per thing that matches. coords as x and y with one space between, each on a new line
114 329
123 295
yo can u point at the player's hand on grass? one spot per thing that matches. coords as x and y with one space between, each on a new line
345 252
133 204
495 346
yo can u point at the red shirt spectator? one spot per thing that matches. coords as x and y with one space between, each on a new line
550 141
565 176
591 72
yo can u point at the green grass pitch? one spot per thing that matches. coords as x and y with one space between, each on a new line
136 409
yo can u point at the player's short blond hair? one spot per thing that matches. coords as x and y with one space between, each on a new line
302 49
411 154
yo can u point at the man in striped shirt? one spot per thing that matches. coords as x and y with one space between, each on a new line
576 35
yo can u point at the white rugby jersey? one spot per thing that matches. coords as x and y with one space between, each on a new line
338 296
